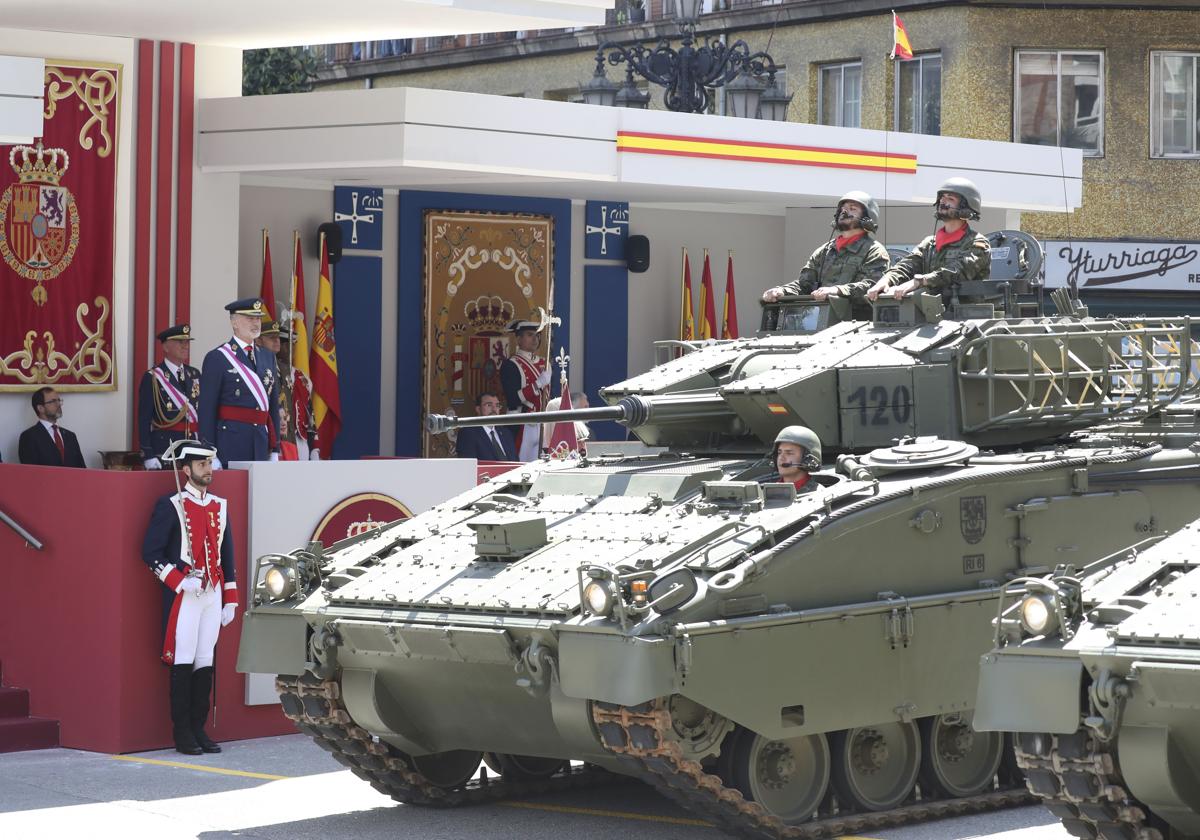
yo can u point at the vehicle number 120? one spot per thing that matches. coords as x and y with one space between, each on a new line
879 407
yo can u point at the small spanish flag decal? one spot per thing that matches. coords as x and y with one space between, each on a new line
776 408
719 149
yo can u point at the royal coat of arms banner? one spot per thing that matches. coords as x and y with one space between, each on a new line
57 218
482 270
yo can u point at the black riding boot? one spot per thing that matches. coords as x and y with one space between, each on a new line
181 710
202 680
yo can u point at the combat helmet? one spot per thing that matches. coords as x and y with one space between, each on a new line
967 191
870 222
801 436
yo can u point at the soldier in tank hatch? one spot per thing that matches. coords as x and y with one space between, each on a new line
955 253
167 397
796 455
849 262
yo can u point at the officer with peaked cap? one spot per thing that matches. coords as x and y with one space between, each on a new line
168 396
526 381
849 262
953 254
189 549
239 391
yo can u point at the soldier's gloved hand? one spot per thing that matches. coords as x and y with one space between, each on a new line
315 455
274 456
152 464
227 613
543 379
190 584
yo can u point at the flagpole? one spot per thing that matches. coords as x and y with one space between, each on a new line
292 301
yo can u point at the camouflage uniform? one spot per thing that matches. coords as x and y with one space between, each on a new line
853 270
970 258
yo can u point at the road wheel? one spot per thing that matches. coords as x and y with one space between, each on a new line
875 767
450 769
955 759
788 777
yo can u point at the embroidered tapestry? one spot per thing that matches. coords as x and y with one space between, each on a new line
482 270
57 227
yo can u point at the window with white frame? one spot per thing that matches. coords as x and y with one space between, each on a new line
839 94
1174 104
919 94
1059 99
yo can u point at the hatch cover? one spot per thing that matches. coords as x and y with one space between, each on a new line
919 453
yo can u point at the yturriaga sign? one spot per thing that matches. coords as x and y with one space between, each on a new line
1120 265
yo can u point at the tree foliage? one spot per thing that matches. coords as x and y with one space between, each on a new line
278 70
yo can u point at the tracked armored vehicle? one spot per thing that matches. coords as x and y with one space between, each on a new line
784 664
1097 670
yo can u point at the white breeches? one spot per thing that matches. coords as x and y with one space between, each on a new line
196 628
529 442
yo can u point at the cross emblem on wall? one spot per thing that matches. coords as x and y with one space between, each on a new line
354 218
603 229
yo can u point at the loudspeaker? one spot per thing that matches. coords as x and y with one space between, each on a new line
637 253
333 240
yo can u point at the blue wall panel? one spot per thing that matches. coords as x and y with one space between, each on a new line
605 337
357 297
410 316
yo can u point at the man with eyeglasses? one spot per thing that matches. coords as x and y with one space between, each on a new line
45 442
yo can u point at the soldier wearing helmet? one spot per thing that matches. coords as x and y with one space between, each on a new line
955 253
849 262
797 454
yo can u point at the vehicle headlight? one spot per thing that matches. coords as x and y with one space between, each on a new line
598 597
1038 616
280 582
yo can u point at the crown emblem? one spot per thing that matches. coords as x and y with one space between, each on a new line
39 165
186 329
488 313
258 306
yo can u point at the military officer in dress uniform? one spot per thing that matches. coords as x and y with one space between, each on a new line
189 549
848 263
526 382
167 397
239 391
297 431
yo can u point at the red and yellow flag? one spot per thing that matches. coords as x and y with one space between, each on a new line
901 48
687 320
327 403
708 305
729 325
266 290
299 307
563 441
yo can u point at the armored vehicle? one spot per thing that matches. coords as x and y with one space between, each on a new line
1097 668
786 663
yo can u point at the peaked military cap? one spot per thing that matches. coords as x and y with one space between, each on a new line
269 326
185 451
247 306
183 332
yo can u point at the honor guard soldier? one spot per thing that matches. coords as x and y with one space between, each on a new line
167 397
297 431
955 253
239 391
526 382
849 262
189 549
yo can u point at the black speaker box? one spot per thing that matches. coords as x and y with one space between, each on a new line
637 253
333 240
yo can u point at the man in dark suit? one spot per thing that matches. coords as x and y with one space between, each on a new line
486 443
167 397
239 391
45 442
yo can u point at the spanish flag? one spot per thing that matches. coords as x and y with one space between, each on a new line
266 289
327 403
687 320
729 325
708 308
901 48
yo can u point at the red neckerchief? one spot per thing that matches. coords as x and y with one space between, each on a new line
843 241
941 239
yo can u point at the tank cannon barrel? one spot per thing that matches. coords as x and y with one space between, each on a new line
632 411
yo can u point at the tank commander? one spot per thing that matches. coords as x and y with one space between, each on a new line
797 454
200 590
167 397
526 382
953 254
849 262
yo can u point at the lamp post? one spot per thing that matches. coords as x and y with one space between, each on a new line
689 72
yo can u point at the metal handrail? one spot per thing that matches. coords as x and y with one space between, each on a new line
30 539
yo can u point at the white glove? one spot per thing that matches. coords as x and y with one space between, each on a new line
274 456
315 455
217 464
190 584
152 464
543 379
227 613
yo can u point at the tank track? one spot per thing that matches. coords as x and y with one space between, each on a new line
316 707
1076 778
639 736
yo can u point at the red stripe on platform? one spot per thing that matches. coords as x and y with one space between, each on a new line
761 145
141 204
753 159
164 204
183 214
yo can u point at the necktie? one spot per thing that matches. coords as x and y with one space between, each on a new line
250 354
497 449
62 450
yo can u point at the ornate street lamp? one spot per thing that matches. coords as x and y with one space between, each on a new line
688 73
773 104
629 96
